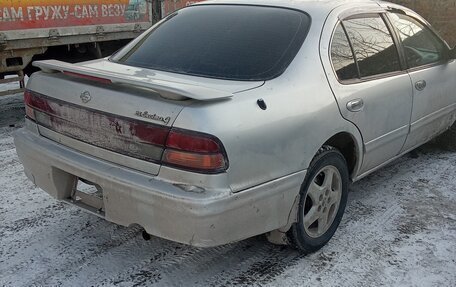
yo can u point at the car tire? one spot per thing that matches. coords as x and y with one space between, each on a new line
322 202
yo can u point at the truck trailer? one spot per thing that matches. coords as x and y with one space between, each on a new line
71 30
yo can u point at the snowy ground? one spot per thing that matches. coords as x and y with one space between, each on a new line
399 230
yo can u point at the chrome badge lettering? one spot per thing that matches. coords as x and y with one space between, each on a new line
153 117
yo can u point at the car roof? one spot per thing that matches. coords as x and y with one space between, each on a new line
313 7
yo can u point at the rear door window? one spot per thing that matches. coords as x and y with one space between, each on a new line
342 56
235 42
373 45
421 45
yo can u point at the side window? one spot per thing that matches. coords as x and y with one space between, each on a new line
421 45
342 56
373 45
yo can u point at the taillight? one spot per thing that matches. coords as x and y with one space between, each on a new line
29 112
37 103
178 148
195 152
192 142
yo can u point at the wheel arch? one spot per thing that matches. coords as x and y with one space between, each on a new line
349 146
349 142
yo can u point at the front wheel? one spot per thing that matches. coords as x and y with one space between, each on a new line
323 198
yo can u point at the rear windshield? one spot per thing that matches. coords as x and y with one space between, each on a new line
235 42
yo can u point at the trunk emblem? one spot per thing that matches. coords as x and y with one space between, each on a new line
85 97
153 117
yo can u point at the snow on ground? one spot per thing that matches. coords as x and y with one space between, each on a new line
399 230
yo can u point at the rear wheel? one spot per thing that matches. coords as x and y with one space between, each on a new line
322 202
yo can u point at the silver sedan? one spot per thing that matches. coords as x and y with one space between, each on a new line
230 119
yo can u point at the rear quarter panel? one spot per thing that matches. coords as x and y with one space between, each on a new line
263 145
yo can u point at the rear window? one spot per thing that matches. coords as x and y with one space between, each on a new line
235 42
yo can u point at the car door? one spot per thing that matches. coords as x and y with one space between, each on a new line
371 87
433 77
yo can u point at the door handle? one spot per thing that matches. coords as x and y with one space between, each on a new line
355 105
420 85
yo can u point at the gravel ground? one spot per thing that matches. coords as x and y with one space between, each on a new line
399 230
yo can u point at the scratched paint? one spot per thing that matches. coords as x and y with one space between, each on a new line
34 14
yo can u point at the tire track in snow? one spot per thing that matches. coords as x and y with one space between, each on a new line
123 242
147 258
176 265
95 245
259 266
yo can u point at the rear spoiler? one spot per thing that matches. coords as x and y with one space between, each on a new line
166 89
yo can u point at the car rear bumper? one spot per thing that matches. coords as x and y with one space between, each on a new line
203 219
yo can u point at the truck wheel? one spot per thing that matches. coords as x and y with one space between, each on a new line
323 198
448 139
